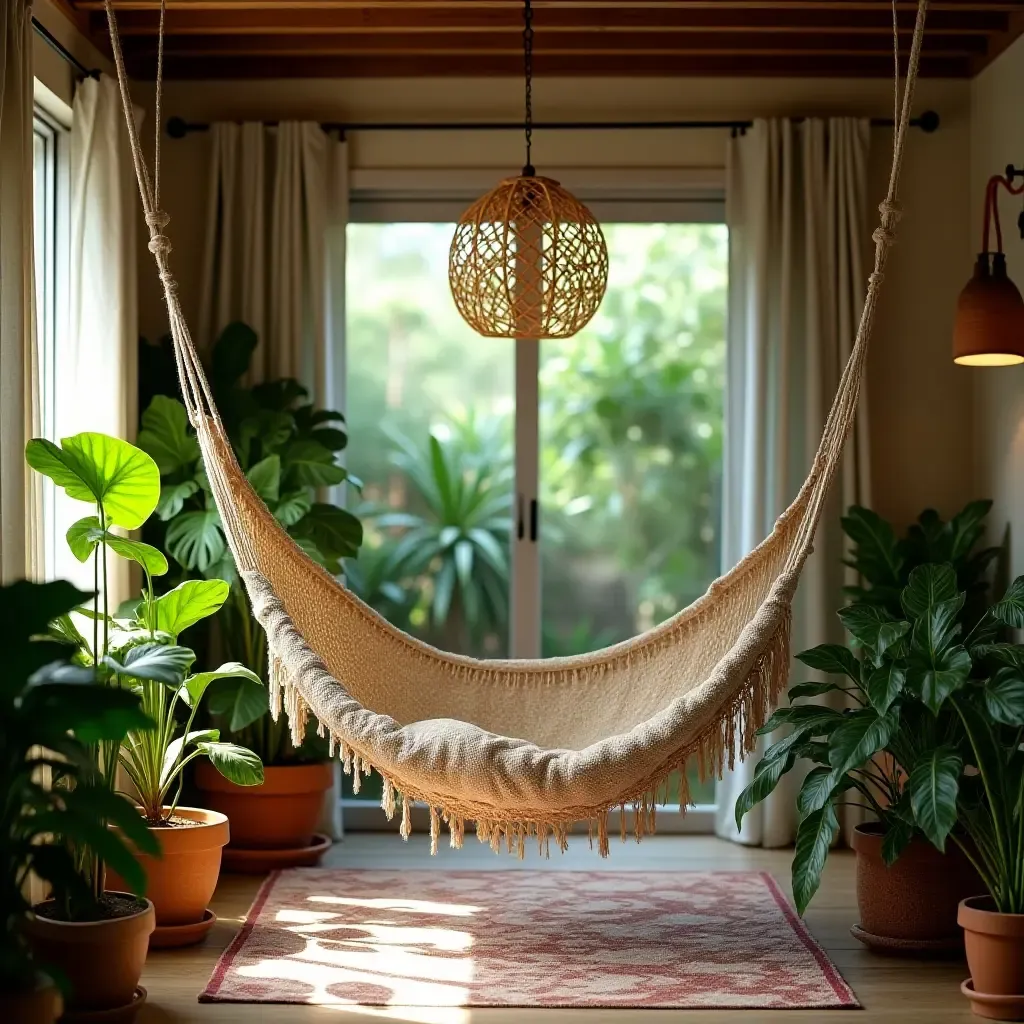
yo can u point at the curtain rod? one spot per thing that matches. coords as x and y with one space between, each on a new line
178 128
58 47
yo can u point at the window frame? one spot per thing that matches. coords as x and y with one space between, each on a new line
51 213
390 196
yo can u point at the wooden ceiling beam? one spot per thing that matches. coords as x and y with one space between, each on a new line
507 65
908 6
620 18
689 43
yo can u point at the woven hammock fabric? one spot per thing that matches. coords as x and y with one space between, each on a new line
524 749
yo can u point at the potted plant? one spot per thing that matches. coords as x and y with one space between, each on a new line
141 653
289 451
882 754
54 717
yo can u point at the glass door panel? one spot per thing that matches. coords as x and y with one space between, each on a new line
631 413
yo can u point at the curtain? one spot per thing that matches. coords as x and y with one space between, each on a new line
277 209
96 384
272 205
796 207
20 495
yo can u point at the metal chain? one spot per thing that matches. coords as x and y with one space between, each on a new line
528 169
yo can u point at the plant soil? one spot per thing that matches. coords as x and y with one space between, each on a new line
111 905
174 822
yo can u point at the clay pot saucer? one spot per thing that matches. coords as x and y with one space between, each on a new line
118 1015
952 947
258 861
993 1007
171 936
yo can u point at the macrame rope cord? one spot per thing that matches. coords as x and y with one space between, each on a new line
743 618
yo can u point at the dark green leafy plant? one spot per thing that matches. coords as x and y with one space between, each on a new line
945 709
454 545
885 561
53 714
289 450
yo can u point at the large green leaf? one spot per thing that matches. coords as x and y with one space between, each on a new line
159 663
811 690
83 536
938 627
766 777
1010 655
934 784
27 608
832 658
292 507
185 605
1010 608
809 718
1004 697
235 763
814 837
104 470
873 626
335 531
884 684
173 498
312 465
898 834
862 735
928 586
150 558
936 678
94 713
196 539
165 434
196 685
240 700
265 477
819 785
877 553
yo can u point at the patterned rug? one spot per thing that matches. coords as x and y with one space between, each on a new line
526 938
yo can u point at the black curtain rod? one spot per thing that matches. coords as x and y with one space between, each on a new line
178 128
58 47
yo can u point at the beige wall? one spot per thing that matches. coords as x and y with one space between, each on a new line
997 137
920 404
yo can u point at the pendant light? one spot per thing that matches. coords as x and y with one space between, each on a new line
989 325
528 259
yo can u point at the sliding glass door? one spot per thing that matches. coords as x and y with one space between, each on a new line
525 499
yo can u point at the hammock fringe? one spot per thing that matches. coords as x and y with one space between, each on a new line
731 735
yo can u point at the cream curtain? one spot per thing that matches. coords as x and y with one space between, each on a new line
96 369
270 209
277 209
796 206
20 504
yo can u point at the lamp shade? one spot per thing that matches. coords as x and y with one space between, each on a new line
528 260
989 325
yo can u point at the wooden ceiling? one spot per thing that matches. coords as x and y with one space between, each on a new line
347 38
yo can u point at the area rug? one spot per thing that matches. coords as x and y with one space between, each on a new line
726 940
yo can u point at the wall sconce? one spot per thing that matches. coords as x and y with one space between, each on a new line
989 325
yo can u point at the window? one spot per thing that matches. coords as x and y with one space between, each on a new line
50 238
620 427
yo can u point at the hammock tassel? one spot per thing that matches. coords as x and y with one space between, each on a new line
387 801
435 830
405 829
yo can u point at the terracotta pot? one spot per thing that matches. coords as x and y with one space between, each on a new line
282 813
995 955
102 960
181 882
41 1004
916 899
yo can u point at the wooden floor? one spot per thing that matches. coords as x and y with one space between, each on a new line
909 992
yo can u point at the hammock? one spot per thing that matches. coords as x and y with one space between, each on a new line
525 749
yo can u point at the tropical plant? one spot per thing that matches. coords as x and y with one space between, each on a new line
288 449
141 653
53 716
947 707
454 540
884 561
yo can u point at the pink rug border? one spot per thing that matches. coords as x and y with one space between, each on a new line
843 992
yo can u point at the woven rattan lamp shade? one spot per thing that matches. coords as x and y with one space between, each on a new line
528 260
